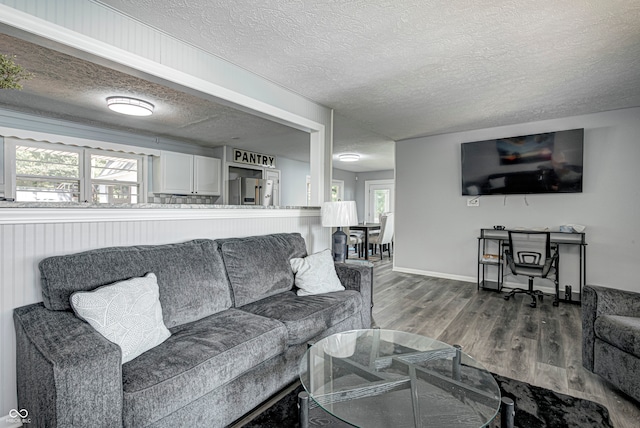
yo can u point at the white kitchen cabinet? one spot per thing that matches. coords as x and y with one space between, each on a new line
182 174
206 175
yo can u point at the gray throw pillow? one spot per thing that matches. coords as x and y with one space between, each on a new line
128 313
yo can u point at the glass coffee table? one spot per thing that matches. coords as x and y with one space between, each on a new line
385 378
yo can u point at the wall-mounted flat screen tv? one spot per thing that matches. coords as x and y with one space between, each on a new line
539 163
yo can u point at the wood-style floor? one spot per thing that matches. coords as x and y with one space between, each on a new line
541 346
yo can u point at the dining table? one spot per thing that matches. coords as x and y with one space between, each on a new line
366 228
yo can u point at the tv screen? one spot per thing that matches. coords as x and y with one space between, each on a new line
539 163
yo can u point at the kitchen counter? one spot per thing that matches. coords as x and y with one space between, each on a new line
50 205
70 212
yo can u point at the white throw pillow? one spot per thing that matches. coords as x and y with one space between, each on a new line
128 313
316 274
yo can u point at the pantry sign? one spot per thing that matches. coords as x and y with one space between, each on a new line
252 158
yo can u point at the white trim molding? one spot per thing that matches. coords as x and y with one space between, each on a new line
506 285
435 274
90 214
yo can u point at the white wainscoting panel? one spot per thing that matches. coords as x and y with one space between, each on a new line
24 244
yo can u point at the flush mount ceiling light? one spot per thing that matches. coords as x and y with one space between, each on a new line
349 157
130 106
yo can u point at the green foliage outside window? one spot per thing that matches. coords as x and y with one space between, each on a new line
381 203
334 194
47 163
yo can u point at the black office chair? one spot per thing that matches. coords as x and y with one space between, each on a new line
530 254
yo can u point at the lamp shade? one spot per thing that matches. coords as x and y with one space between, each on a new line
339 214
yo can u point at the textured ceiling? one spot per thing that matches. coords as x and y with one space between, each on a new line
68 88
410 68
391 69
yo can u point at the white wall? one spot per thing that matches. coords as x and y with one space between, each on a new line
349 179
293 175
436 232
293 182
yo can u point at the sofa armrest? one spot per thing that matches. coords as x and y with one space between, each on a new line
359 276
67 373
598 301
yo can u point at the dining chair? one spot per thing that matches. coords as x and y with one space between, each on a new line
385 235
355 238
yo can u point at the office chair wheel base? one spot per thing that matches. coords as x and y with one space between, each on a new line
556 303
506 297
533 304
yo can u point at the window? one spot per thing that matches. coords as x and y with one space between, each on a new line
115 179
381 199
46 174
337 190
55 173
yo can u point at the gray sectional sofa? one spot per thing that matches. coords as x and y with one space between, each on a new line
611 336
238 332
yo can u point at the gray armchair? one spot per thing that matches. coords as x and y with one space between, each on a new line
611 336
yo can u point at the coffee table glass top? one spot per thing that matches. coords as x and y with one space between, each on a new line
386 378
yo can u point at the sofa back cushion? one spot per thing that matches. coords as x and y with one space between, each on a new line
258 266
191 276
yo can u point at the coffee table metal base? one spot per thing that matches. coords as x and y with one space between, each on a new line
507 411
380 386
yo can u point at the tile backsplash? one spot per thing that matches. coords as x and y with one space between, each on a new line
160 198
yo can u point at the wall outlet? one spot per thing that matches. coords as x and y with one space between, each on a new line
473 202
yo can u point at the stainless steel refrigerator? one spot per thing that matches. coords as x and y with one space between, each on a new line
250 191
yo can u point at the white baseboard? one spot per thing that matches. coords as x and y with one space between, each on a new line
8 422
507 285
435 274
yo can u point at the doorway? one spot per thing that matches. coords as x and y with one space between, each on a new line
379 198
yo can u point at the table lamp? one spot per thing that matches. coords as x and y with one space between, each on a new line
339 214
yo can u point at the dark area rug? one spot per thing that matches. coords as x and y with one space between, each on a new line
535 407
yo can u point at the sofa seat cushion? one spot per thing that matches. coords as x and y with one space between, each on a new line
305 317
620 331
196 359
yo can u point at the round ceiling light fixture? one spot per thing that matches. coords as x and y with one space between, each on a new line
130 106
349 157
